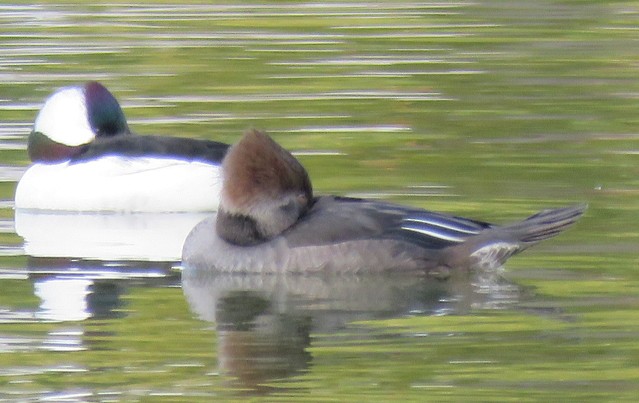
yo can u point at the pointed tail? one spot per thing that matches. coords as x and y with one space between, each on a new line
490 248
544 225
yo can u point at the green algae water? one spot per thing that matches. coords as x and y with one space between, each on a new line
486 109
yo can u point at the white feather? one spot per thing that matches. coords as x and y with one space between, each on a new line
434 233
446 225
493 255
117 183
64 118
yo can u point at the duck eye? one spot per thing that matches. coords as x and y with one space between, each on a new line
302 199
289 208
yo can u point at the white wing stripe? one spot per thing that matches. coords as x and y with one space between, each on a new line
435 234
444 225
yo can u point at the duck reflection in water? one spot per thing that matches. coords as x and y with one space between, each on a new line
73 290
265 323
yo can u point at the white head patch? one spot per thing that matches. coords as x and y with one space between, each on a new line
64 118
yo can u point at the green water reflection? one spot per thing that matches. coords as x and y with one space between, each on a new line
490 110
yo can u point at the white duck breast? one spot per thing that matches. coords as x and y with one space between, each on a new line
115 183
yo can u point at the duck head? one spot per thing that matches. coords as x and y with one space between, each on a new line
265 190
72 117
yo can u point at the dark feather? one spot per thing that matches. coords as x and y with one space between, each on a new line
341 219
131 145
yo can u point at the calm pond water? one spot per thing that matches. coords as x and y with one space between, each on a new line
486 109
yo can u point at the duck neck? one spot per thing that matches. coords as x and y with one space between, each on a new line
238 229
42 149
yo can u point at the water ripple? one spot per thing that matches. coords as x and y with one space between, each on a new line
319 96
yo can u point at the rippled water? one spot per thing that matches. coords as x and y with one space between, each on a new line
490 110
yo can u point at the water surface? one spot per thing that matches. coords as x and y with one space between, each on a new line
490 110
